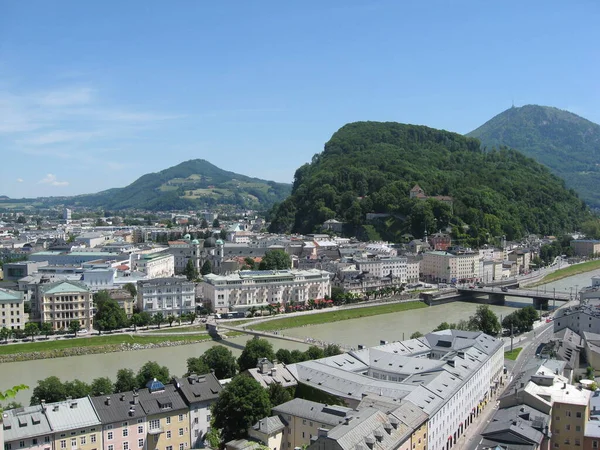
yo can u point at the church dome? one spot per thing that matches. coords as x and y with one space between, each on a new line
210 242
195 242
219 242
187 237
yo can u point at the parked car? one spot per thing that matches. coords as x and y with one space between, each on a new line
471 287
504 289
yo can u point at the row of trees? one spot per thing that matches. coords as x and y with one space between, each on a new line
484 320
33 329
521 320
52 389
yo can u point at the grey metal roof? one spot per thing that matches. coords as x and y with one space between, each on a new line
269 425
71 414
370 428
317 412
24 423
279 374
489 444
160 401
512 432
118 407
198 388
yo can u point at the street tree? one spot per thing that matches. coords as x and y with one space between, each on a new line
284 356
32 330
5 334
240 405
485 320
101 386
170 319
136 321
76 389
125 381
332 350
416 334
221 360
74 327
203 224
149 371
255 348
158 319
50 389
46 329
314 352
109 316
196 366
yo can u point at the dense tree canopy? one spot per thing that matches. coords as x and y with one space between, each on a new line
275 260
109 315
240 405
255 348
370 167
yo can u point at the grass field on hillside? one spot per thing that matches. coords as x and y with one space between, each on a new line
335 316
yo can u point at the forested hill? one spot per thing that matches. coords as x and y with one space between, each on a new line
370 167
191 184
568 144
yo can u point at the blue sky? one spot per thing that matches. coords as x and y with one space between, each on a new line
94 94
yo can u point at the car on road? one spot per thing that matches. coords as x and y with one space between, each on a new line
471 287
504 289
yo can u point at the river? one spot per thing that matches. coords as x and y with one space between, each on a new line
367 331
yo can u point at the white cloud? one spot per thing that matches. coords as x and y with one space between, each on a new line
20 180
52 181
66 97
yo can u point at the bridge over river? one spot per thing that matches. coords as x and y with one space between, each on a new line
495 295
215 329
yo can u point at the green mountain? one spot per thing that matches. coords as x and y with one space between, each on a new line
370 167
191 184
568 144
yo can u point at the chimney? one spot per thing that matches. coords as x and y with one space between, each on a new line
273 372
122 397
131 411
43 402
107 401
564 385
135 398
347 420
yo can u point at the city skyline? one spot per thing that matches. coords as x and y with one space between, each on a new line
93 96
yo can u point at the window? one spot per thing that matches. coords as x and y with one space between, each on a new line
140 420
568 413
568 427
577 428
46 439
34 442
63 443
109 435
181 432
155 424
577 442
93 438
195 421
181 417
140 429
82 440
181 446
140 443
169 434
7 446
21 444
208 418
578 415
111 447
169 447
124 424
303 421
168 420
73 442
594 444
125 445
125 432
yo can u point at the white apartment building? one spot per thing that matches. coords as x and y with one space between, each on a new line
383 267
245 289
153 265
62 302
168 296
413 269
451 267
12 312
99 277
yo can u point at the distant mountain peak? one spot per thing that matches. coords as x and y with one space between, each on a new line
563 141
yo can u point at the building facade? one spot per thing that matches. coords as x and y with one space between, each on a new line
62 302
246 289
585 247
124 425
12 310
172 295
393 267
451 267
